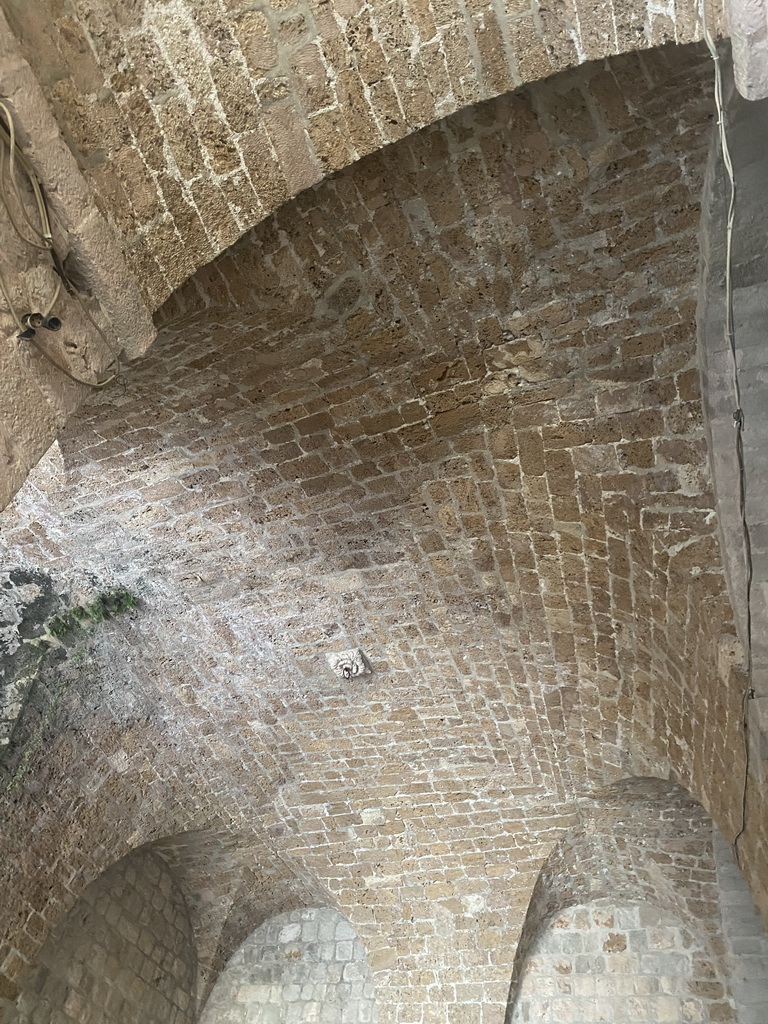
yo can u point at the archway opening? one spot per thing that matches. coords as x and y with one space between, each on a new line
302 966
124 954
641 914
619 962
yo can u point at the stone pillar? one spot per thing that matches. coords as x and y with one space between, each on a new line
36 398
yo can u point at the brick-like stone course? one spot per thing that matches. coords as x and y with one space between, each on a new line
231 882
631 894
123 954
443 407
193 121
622 963
306 965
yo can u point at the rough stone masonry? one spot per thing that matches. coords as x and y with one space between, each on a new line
444 407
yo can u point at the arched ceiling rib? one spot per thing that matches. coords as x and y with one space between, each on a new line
193 120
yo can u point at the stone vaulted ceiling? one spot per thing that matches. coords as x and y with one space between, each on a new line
442 406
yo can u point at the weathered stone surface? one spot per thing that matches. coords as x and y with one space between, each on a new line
626 921
746 366
441 406
384 68
124 954
35 397
302 965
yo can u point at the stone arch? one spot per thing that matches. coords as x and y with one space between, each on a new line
293 320
485 322
114 783
193 122
620 960
306 964
222 886
233 883
103 800
225 884
645 842
414 443
125 952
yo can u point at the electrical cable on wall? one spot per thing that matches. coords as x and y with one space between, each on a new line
29 323
738 413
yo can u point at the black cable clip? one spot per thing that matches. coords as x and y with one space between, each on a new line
34 321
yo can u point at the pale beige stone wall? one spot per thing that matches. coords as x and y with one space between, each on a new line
744 937
36 398
191 122
407 413
641 914
635 878
303 966
194 120
620 963
124 954
747 127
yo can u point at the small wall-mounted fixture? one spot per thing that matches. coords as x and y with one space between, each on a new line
32 322
347 664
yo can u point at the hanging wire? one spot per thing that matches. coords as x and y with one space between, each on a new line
14 314
14 154
9 186
738 413
9 142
